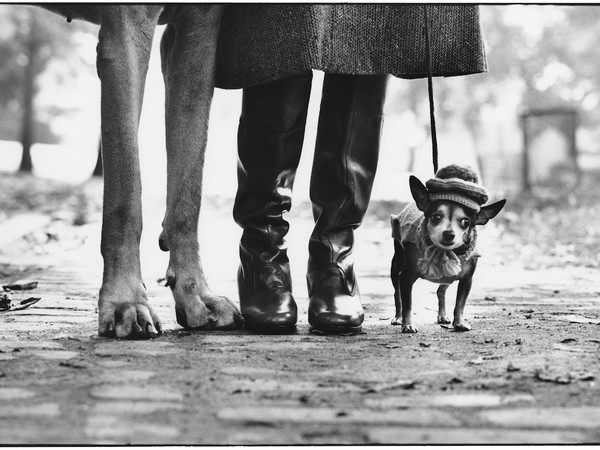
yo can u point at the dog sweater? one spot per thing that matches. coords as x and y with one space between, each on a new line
435 264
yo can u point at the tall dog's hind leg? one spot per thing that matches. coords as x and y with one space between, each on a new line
125 41
442 317
188 53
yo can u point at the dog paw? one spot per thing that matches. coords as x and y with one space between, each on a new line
397 321
133 319
409 329
210 313
198 309
463 325
224 314
443 320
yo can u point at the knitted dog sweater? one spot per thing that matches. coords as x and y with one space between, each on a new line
435 264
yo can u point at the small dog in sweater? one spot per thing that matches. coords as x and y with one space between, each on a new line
435 238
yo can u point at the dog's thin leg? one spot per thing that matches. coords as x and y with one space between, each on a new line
397 320
395 270
406 283
125 39
188 53
464 287
442 317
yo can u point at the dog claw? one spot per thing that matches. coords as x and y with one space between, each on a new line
443 320
214 313
108 330
126 319
409 329
463 326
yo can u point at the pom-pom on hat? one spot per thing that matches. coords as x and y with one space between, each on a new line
458 184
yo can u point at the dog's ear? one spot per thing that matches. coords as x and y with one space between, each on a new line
488 212
419 192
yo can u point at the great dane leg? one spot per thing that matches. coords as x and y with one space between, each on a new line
188 53
125 41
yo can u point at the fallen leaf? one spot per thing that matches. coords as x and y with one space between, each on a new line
21 285
552 378
568 341
424 344
400 384
8 306
477 361
512 368
5 302
564 379
567 348
582 376
26 303
393 346
574 318
74 364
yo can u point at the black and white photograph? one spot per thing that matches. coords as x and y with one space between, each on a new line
299 224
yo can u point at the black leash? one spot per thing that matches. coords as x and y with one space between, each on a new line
434 146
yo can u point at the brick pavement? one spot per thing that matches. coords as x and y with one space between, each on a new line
526 373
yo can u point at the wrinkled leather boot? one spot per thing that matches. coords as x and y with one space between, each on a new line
344 166
270 138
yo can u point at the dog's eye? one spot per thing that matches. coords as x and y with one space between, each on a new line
465 223
436 218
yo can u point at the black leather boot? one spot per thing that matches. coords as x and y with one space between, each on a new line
270 138
344 166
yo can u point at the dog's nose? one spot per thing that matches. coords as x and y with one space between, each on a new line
448 235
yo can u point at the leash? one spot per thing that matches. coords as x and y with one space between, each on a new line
434 145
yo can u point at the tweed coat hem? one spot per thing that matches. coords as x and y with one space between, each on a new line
259 43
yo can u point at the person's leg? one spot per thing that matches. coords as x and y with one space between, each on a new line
344 166
270 138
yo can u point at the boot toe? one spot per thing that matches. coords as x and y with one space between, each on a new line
343 314
274 312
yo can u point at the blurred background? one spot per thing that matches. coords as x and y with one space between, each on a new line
530 126
539 99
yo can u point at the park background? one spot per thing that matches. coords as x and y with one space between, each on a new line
530 126
527 372
544 63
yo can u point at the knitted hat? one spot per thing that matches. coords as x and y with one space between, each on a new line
458 184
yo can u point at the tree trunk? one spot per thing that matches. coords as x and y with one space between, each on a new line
27 130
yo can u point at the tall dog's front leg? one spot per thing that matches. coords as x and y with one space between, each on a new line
188 53
125 40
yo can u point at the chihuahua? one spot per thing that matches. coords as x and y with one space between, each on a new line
435 238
